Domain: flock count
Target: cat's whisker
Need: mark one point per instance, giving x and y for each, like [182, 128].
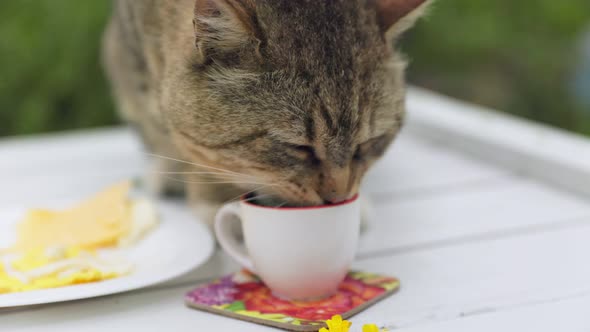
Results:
[281, 205]
[246, 193]
[195, 164]
[209, 177]
[197, 173]
[233, 178]
[205, 174]
[216, 182]
[256, 197]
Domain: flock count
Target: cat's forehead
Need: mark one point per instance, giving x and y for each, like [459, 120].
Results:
[323, 78]
[326, 36]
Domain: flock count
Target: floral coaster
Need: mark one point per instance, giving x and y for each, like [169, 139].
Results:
[243, 296]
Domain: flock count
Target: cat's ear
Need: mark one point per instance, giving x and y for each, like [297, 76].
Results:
[225, 26]
[397, 16]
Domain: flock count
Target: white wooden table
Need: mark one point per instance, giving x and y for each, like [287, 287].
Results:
[484, 218]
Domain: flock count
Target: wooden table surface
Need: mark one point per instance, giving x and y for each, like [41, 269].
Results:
[477, 247]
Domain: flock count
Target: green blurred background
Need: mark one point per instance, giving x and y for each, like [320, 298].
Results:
[521, 57]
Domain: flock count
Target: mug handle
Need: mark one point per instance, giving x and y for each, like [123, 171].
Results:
[227, 240]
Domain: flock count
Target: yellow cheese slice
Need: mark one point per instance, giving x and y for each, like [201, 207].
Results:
[56, 267]
[95, 223]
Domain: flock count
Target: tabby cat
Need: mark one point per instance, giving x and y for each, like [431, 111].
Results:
[288, 99]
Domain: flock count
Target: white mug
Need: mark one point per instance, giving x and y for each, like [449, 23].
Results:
[301, 253]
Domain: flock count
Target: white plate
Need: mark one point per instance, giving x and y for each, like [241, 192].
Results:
[179, 244]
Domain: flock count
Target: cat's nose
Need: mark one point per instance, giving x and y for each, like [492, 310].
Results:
[335, 186]
[335, 199]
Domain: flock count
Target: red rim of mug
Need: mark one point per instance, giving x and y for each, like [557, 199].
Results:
[301, 208]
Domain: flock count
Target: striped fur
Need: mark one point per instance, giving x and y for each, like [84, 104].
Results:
[305, 95]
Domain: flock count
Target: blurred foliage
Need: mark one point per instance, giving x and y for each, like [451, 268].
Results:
[515, 56]
[51, 78]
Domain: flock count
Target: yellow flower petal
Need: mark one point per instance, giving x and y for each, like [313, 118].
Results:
[346, 326]
[337, 324]
[370, 328]
[337, 320]
[323, 329]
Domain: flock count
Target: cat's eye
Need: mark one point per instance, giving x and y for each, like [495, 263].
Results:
[358, 154]
[372, 147]
[304, 148]
[308, 152]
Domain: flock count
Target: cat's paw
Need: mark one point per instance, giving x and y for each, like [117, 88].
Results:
[158, 183]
